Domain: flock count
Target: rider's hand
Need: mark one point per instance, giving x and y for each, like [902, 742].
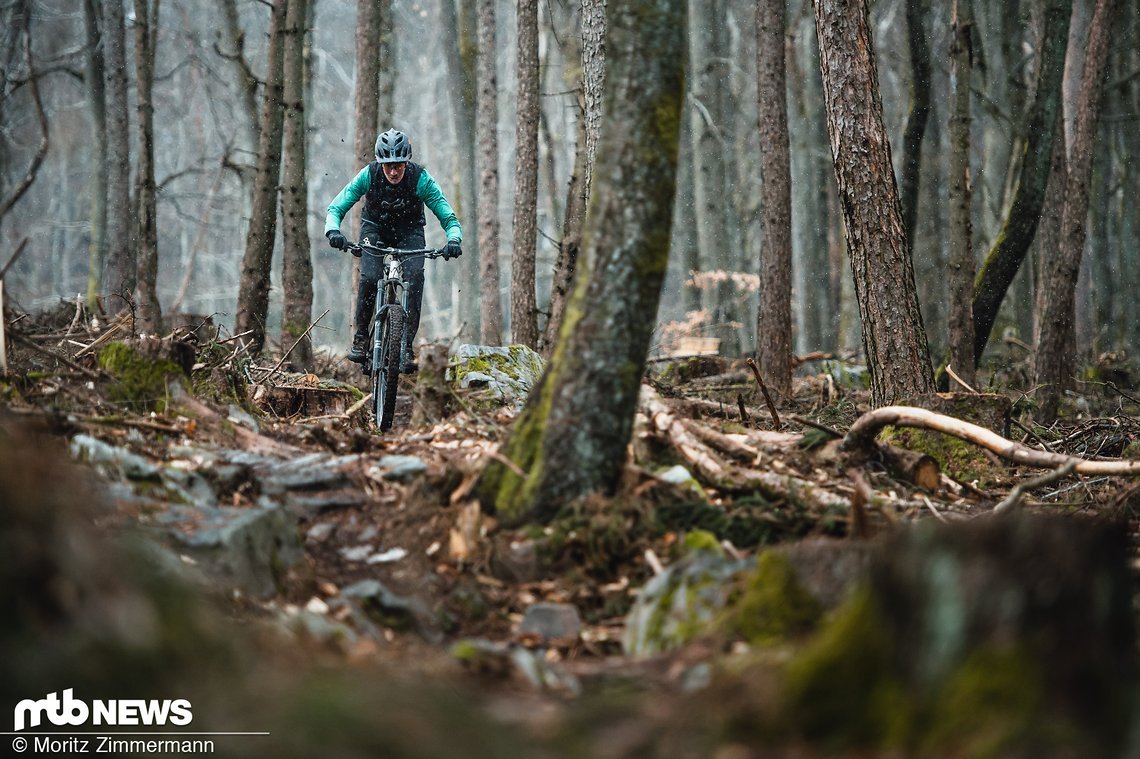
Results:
[452, 250]
[336, 239]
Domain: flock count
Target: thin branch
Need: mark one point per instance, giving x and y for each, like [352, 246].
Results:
[1014, 498]
[62, 359]
[296, 342]
[41, 117]
[12, 260]
[767, 398]
[954, 376]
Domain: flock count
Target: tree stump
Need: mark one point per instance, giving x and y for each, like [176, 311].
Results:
[432, 395]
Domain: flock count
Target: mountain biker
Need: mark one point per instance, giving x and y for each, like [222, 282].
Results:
[395, 191]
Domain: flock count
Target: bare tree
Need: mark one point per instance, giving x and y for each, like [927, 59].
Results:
[1021, 223]
[708, 68]
[524, 316]
[570, 245]
[592, 62]
[148, 308]
[1053, 360]
[593, 80]
[486, 128]
[119, 269]
[246, 81]
[459, 29]
[572, 437]
[961, 269]
[894, 339]
[774, 321]
[253, 288]
[374, 75]
[23, 15]
[297, 265]
[93, 79]
[917, 116]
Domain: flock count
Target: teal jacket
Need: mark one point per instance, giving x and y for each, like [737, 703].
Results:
[427, 190]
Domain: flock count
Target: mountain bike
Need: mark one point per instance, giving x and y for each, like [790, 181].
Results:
[386, 329]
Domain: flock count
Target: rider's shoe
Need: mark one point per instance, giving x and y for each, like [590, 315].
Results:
[359, 352]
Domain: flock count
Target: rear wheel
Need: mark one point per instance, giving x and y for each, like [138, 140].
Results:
[386, 366]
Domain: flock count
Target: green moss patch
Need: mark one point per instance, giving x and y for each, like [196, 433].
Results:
[141, 382]
[773, 605]
[961, 460]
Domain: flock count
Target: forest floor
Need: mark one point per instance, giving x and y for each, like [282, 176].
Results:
[707, 456]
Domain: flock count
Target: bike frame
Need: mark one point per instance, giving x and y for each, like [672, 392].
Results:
[392, 288]
[382, 363]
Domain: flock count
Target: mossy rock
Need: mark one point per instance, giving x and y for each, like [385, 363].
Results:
[843, 689]
[773, 606]
[496, 375]
[144, 372]
[682, 602]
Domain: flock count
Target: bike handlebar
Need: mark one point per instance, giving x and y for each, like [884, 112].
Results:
[402, 255]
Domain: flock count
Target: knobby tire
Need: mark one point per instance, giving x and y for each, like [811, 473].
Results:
[386, 371]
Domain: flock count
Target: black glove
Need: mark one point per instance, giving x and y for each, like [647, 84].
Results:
[452, 250]
[336, 239]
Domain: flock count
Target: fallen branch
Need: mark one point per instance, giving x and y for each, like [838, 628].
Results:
[866, 427]
[103, 338]
[1014, 498]
[61, 359]
[708, 465]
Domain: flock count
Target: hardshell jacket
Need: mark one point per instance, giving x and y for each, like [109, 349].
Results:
[395, 207]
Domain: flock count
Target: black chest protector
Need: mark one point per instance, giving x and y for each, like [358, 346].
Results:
[394, 207]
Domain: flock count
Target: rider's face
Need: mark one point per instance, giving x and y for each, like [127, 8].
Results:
[394, 172]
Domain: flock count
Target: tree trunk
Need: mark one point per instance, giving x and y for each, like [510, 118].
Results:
[592, 63]
[246, 81]
[774, 321]
[709, 72]
[96, 100]
[486, 126]
[459, 58]
[524, 316]
[297, 265]
[593, 81]
[1020, 227]
[253, 288]
[572, 437]
[894, 339]
[119, 271]
[366, 112]
[366, 91]
[1053, 359]
[812, 180]
[149, 310]
[562, 281]
[1048, 237]
[961, 269]
[916, 119]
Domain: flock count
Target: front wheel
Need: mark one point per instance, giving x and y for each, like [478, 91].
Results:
[386, 366]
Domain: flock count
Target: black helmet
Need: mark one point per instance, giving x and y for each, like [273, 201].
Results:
[393, 146]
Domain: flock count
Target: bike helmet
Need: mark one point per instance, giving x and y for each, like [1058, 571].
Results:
[393, 146]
